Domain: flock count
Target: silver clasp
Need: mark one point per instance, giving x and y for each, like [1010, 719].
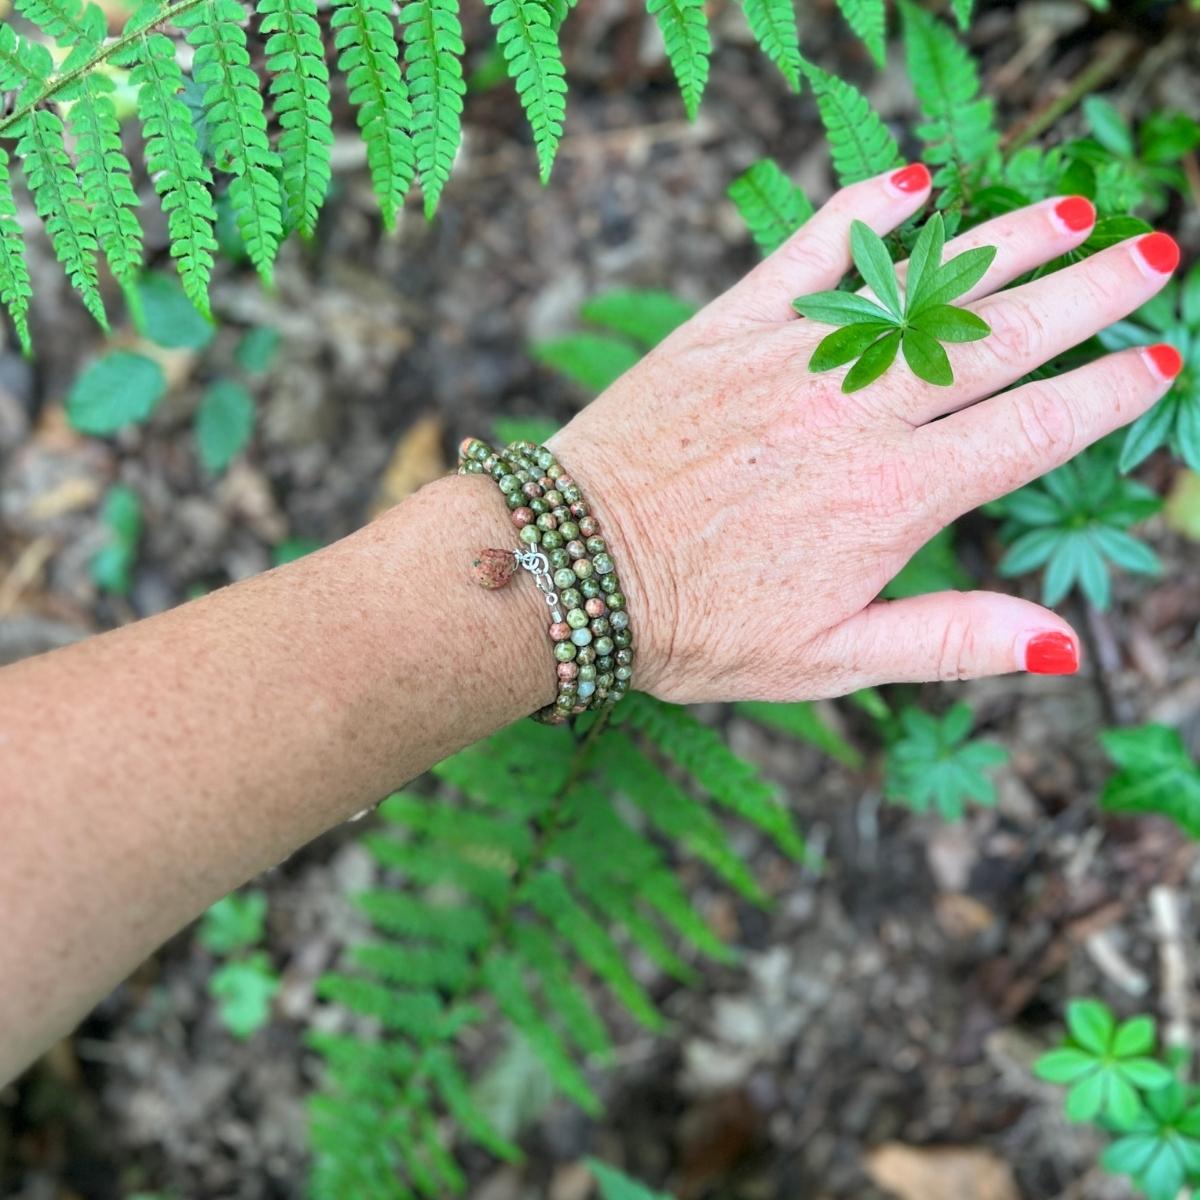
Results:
[538, 565]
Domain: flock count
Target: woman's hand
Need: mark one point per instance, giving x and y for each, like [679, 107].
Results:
[757, 511]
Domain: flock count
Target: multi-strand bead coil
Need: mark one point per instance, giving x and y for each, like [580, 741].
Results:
[561, 545]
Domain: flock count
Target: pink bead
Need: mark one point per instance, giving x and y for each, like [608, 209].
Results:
[589, 527]
[494, 568]
[522, 517]
[579, 510]
[550, 521]
[567, 671]
[546, 483]
[595, 607]
[531, 490]
[560, 631]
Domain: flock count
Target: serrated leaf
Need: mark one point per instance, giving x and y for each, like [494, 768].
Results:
[119, 389]
[224, 423]
[166, 316]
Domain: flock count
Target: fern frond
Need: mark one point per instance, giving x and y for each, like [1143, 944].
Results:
[868, 19]
[528, 37]
[68, 22]
[684, 28]
[174, 162]
[24, 65]
[237, 125]
[959, 133]
[300, 89]
[433, 61]
[773, 23]
[15, 287]
[859, 142]
[59, 201]
[771, 205]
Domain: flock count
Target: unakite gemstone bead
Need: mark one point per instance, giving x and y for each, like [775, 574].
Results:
[522, 516]
[554, 497]
[589, 527]
[581, 637]
[567, 687]
[622, 639]
[587, 671]
[587, 654]
[596, 545]
[546, 521]
[559, 558]
[604, 680]
[583, 568]
[561, 514]
[616, 600]
[605, 663]
[571, 597]
[509, 484]
[595, 607]
[543, 457]
[590, 588]
[514, 500]
[609, 585]
[579, 510]
[565, 651]
[576, 618]
[623, 673]
[551, 540]
[603, 564]
[537, 504]
[569, 529]
[604, 645]
[600, 626]
[620, 620]
[531, 535]
[624, 658]
[564, 577]
[576, 549]
[586, 688]
[570, 492]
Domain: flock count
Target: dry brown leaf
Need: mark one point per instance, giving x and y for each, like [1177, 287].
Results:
[416, 461]
[941, 1173]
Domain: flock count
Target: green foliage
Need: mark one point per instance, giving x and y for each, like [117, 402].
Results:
[868, 19]
[1173, 316]
[872, 331]
[934, 568]
[771, 205]
[119, 389]
[15, 286]
[257, 350]
[1155, 774]
[1075, 523]
[859, 142]
[616, 1185]
[164, 314]
[684, 28]
[1160, 1150]
[932, 766]
[959, 132]
[224, 423]
[633, 322]
[236, 922]
[802, 721]
[543, 859]
[121, 516]
[244, 990]
[773, 23]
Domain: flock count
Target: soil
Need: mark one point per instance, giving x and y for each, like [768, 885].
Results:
[896, 995]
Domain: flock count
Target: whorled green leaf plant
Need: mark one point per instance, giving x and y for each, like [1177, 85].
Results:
[915, 320]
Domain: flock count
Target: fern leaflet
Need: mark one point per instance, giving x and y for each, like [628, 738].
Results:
[868, 19]
[433, 58]
[300, 88]
[237, 125]
[684, 27]
[770, 204]
[59, 201]
[173, 160]
[962, 12]
[366, 39]
[15, 287]
[960, 133]
[859, 142]
[528, 37]
[773, 23]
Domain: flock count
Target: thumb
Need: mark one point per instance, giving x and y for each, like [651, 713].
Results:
[951, 635]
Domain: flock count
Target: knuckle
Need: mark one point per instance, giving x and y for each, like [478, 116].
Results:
[957, 648]
[1018, 332]
[811, 255]
[1047, 422]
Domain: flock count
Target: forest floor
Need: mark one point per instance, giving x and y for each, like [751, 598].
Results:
[877, 1036]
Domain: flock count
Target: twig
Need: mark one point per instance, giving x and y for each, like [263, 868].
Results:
[1166, 910]
[1101, 948]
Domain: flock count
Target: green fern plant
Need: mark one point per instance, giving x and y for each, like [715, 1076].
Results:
[541, 867]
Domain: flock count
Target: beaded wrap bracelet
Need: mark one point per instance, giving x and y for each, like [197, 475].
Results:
[561, 546]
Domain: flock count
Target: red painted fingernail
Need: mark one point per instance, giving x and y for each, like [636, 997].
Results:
[1160, 252]
[1168, 362]
[1076, 213]
[1051, 654]
[911, 179]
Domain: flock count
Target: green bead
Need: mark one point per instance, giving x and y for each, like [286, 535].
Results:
[582, 567]
[571, 494]
[577, 618]
[571, 597]
[530, 535]
[596, 545]
[600, 626]
[538, 505]
[559, 558]
[561, 513]
[543, 457]
[567, 687]
[604, 645]
[616, 600]
[624, 658]
[513, 499]
[590, 589]
[553, 470]
[603, 564]
[582, 637]
[604, 662]
[587, 673]
[622, 639]
[623, 673]
[620, 620]
[604, 681]
[564, 577]
[551, 539]
[509, 484]
[587, 655]
[570, 531]
[565, 651]
[609, 585]
[554, 498]
[546, 520]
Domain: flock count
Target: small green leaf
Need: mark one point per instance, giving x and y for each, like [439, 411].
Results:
[121, 513]
[1091, 1024]
[117, 390]
[924, 260]
[841, 308]
[166, 316]
[1064, 1065]
[614, 1185]
[224, 424]
[257, 349]
[875, 360]
[589, 359]
[1087, 1097]
[645, 317]
[234, 923]
[1110, 129]
[926, 358]
[842, 345]
[950, 324]
[875, 265]
[956, 277]
[244, 990]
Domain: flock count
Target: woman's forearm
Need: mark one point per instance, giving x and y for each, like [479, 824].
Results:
[147, 772]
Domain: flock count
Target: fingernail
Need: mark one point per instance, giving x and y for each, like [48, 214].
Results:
[1051, 654]
[1076, 213]
[911, 179]
[1159, 251]
[1166, 360]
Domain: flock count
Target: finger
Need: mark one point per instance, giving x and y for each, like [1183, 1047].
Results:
[949, 635]
[1037, 321]
[1024, 240]
[990, 449]
[815, 258]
